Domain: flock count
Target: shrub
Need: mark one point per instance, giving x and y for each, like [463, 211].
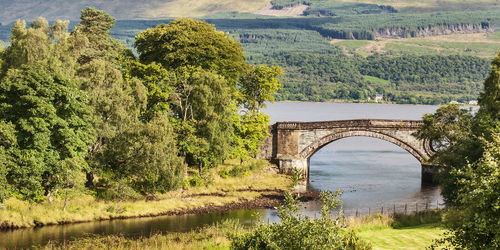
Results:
[296, 231]
[194, 180]
[236, 171]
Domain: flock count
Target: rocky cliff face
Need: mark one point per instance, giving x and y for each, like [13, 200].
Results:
[433, 31]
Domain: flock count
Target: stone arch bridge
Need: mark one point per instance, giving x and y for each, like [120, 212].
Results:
[291, 144]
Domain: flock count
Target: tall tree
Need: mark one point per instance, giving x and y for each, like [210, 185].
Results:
[206, 106]
[256, 87]
[53, 124]
[117, 101]
[191, 43]
[159, 84]
[469, 163]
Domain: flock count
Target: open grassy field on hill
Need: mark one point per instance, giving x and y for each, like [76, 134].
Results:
[477, 44]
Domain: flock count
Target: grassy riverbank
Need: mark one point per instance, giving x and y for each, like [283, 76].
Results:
[400, 232]
[382, 232]
[255, 186]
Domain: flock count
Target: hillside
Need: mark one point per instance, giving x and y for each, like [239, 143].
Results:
[428, 51]
[122, 9]
[161, 9]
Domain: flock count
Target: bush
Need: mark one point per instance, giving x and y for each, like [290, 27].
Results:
[194, 180]
[118, 190]
[236, 171]
[296, 231]
[424, 217]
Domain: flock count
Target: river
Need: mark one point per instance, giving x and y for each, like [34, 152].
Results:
[373, 175]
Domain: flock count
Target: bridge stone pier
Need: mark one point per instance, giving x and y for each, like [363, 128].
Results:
[291, 144]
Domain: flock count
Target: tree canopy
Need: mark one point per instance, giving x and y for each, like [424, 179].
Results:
[191, 43]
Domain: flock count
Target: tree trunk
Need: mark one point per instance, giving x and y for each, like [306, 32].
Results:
[200, 167]
[65, 200]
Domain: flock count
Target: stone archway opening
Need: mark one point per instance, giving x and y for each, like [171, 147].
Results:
[310, 150]
[366, 169]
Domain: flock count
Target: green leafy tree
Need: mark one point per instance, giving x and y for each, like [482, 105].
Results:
[92, 40]
[250, 130]
[258, 86]
[159, 84]
[469, 164]
[191, 43]
[53, 124]
[145, 155]
[475, 224]
[453, 135]
[204, 102]
[117, 100]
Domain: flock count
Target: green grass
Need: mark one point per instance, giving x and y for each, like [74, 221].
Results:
[417, 237]
[494, 36]
[376, 80]
[352, 45]
[476, 44]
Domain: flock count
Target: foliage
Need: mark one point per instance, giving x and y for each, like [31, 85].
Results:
[250, 130]
[145, 156]
[450, 130]
[191, 43]
[490, 98]
[259, 85]
[256, 87]
[296, 231]
[8, 143]
[206, 101]
[54, 128]
[158, 82]
[474, 225]
[117, 101]
[208, 65]
[91, 111]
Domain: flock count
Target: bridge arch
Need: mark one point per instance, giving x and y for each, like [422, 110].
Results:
[291, 144]
[315, 146]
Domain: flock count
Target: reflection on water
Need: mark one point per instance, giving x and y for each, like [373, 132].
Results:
[138, 227]
[371, 173]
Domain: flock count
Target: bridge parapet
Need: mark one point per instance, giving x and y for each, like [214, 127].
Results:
[366, 123]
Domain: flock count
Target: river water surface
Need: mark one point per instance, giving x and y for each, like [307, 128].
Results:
[373, 175]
